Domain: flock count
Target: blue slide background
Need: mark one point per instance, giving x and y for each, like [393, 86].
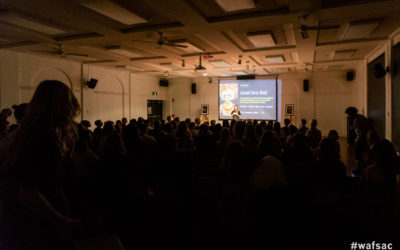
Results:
[256, 98]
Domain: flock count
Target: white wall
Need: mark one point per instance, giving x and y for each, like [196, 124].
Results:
[117, 94]
[328, 96]
[122, 94]
[185, 104]
[20, 74]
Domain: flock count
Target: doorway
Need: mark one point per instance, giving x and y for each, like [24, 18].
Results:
[395, 96]
[376, 98]
[154, 110]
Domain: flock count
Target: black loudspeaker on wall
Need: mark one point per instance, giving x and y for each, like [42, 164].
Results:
[163, 82]
[193, 88]
[306, 85]
[379, 70]
[350, 76]
[92, 83]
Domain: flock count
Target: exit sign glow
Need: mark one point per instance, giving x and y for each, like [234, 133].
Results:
[155, 93]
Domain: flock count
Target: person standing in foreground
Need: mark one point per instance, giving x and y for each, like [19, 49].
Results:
[359, 127]
[235, 114]
[34, 210]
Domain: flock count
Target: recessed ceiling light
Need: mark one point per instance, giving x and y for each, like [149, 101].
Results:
[361, 29]
[123, 52]
[113, 11]
[280, 71]
[219, 63]
[239, 73]
[29, 23]
[223, 74]
[344, 54]
[128, 67]
[261, 39]
[234, 5]
[275, 59]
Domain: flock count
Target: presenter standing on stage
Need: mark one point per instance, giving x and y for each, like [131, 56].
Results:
[235, 114]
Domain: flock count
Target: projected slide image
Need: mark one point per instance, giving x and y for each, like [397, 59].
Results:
[256, 99]
[228, 93]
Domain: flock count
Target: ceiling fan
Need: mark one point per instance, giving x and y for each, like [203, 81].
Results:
[60, 50]
[304, 28]
[162, 40]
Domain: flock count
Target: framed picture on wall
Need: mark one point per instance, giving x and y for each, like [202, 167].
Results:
[289, 109]
[204, 109]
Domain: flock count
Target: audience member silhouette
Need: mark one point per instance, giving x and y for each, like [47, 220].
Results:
[37, 214]
[314, 135]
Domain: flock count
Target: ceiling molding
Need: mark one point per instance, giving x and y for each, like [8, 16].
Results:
[339, 61]
[241, 16]
[78, 36]
[354, 41]
[17, 44]
[148, 58]
[98, 62]
[205, 53]
[289, 49]
[152, 27]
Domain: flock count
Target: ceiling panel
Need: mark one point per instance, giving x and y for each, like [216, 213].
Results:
[220, 36]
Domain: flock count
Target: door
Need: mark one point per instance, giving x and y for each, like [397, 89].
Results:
[154, 110]
[376, 98]
[395, 96]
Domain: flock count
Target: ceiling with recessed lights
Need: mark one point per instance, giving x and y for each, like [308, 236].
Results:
[189, 38]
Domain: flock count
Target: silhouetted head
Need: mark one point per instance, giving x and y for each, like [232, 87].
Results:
[124, 120]
[303, 122]
[250, 132]
[277, 126]
[334, 135]
[86, 124]
[53, 104]
[299, 140]
[19, 111]
[385, 157]
[98, 123]
[292, 129]
[270, 145]
[351, 111]
[109, 127]
[238, 130]
[187, 121]
[314, 123]
[372, 137]
[181, 130]
[53, 107]
[224, 134]
[225, 123]
[329, 149]
[287, 122]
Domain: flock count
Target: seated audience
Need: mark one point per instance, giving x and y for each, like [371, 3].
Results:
[314, 135]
